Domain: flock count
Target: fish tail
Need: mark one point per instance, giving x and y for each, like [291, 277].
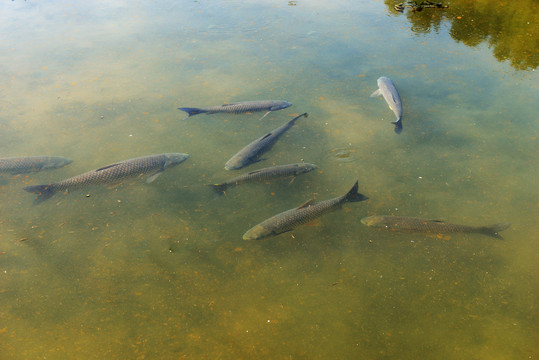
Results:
[297, 117]
[43, 192]
[192, 111]
[398, 125]
[493, 230]
[353, 195]
[219, 188]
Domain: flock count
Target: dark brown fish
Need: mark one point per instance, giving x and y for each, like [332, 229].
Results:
[418, 225]
[152, 165]
[290, 219]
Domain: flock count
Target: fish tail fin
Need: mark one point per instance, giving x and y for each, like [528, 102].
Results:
[43, 192]
[219, 188]
[297, 117]
[493, 230]
[353, 195]
[192, 111]
[398, 125]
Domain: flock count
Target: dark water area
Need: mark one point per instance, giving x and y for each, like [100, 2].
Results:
[136, 270]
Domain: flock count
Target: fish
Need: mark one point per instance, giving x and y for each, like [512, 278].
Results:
[418, 225]
[290, 219]
[152, 165]
[239, 107]
[251, 153]
[387, 89]
[26, 164]
[269, 173]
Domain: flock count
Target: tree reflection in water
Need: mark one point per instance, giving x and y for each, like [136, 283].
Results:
[508, 27]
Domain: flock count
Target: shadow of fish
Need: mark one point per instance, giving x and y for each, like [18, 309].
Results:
[26, 164]
[387, 89]
[239, 107]
[418, 225]
[265, 174]
[252, 152]
[152, 165]
[290, 219]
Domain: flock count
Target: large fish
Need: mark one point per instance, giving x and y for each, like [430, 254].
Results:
[290, 219]
[387, 89]
[26, 164]
[418, 225]
[152, 165]
[265, 174]
[252, 152]
[239, 107]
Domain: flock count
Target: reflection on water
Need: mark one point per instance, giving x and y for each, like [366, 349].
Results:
[507, 27]
[160, 270]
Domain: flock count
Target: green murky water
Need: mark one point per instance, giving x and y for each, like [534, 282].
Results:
[159, 271]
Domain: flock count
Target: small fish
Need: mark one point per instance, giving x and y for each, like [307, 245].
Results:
[387, 89]
[26, 164]
[418, 225]
[239, 107]
[252, 152]
[290, 219]
[269, 173]
[152, 165]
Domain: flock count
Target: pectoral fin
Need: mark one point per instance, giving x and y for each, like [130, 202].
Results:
[151, 178]
[378, 92]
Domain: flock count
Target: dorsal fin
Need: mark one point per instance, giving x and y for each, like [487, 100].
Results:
[307, 203]
[254, 172]
[265, 136]
[107, 167]
[438, 221]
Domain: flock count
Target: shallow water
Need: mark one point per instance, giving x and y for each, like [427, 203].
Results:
[160, 270]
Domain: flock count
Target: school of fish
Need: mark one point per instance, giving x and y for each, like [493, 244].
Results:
[154, 165]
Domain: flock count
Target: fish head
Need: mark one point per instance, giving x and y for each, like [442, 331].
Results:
[375, 221]
[257, 232]
[280, 106]
[174, 159]
[305, 168]
[56, 162]
[234, 164]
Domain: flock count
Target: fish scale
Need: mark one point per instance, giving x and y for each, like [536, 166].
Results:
[290, 219]
[21, 165]
[412, 224]
[269, 173]
[111, 174]
[239, 107]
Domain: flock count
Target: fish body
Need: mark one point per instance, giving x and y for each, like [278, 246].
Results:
[252, 152]
[290, 219]
[387, 89]
[265, 174]
[26, 164]
[239, 107]
[418, 225]
[152, 165]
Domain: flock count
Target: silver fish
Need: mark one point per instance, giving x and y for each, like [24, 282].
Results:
[239, 107]
[252, 152]
[26, 164]
[387, 89]
[152, 165]
[265, 174]
[418, 225]
[290, 219]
